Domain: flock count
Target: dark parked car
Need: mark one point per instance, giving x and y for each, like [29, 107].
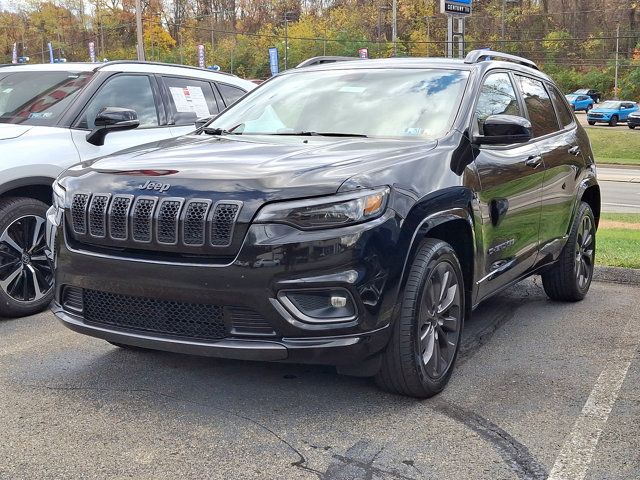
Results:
[594, 94]
[633, 120]
[351, 214]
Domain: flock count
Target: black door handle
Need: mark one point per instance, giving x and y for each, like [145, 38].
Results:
[575, 150]
[533, 161]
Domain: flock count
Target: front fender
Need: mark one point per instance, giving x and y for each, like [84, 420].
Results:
[436, 209]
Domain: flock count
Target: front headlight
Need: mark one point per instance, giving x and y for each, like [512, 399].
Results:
[59, 194]
[327, 212]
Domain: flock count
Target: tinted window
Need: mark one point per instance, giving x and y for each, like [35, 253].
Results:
[125, 91]
[38, 98]
[566, 117]
[190, 99]
[541, 114]
[497, 96]
[230, 94]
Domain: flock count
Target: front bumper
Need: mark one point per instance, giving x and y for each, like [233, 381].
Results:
[336, 350]
[633, 121]
[272, 259]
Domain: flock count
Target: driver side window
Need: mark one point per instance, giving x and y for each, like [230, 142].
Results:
[497, 97]
[126, 91]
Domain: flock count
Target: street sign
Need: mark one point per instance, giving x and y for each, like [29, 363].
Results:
[201, 56]
[92, 52]
[455, 7]
[14, 56]
[273, 60]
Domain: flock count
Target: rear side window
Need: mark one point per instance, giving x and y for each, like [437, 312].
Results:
[565, 116]
[497, 97]
[190, 99]
[230, 94]
[541, 113]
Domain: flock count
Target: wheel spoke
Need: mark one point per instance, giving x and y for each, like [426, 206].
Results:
[38, 233]
[4, 284]
[435, 358]
[6, 238]
[449, 323]
[36, 285]
[427, 352]
[450, 296]
[443, 287]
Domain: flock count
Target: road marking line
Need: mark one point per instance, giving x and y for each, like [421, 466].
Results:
[621, 205]
[577, 452]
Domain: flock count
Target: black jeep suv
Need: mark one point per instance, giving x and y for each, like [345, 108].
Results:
[350, 214]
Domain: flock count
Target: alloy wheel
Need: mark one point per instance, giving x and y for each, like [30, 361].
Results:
[440, 318]
[26, 273]
[585, 243]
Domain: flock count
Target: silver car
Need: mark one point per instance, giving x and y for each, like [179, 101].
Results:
[55, 115]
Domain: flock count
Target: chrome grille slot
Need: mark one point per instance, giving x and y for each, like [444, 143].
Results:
[222, 222]
[98, 215]
[119, 216]
[142, 218]
[79, 213]
[195, 218]
[167, 220]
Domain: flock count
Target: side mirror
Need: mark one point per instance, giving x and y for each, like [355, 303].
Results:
[111, 119]
[504, 130]
[201, 122]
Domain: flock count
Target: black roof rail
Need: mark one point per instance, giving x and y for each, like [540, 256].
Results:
[324, 59]
[475, 56]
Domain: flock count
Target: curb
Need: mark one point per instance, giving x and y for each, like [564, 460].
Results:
[616, 178]
[625, 276]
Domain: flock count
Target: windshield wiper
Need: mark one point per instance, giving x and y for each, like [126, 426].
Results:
[219, 131]
[321, 134]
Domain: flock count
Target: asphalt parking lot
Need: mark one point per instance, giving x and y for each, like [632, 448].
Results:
[542, 390]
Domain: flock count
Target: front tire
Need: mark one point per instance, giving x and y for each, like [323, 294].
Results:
[570, 278]
[591, 122]
[421, 354]
[631, 126]
[26, 273]
[614, 121]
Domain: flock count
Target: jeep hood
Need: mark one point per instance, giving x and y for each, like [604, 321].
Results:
[252, 167]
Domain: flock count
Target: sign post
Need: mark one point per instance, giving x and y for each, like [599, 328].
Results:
[456, 11]
[273, 60]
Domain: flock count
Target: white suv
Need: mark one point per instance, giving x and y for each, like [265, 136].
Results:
[55, 115]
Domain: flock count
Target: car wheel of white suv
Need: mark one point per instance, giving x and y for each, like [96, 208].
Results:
[26, 273]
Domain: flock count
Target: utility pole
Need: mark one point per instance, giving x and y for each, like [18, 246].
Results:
[139, 37]
[615, 84]
[286, 39]
[394, 27]
[504, 6]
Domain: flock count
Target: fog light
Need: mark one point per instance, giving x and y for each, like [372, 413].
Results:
[338, 302]
[319, 306]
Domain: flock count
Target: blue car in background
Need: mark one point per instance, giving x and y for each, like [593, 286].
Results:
[580, 102]
[611, 112]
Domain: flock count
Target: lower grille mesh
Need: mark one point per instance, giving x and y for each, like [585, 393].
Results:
[191, 320]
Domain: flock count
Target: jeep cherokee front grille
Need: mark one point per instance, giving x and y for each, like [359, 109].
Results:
[129, 221]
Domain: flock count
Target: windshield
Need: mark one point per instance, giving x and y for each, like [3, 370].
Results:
[610, 104]
[371, 102]
[571, 97]
[582, 91]
[38, 98]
